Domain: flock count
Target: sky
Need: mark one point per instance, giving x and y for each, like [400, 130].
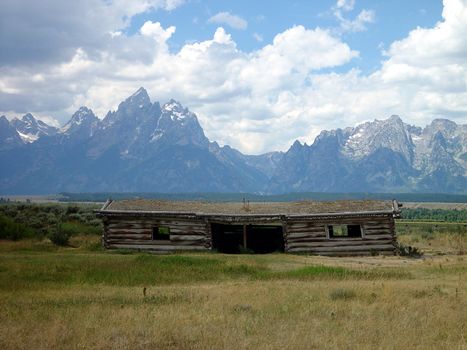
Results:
[258, 74]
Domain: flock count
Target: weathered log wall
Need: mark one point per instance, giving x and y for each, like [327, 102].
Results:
[378, 236]
[136, 233]
[300, 235]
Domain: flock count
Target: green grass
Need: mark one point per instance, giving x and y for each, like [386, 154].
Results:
[34, 271]
[125, 299]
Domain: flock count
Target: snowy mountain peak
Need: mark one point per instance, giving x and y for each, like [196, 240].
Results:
[82, 115]
[29, 118]
[172, 105]
[176, 111]
[366, 138]
[30, 129]
[82, 118]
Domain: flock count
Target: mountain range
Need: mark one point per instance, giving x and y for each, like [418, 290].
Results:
[149, 147]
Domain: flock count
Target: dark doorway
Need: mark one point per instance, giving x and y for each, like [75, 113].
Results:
[260, 239]
[227, 238]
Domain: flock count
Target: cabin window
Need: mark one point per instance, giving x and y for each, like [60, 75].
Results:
[344, 231]
[160, 233]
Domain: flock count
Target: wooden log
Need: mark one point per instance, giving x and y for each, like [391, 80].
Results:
[138, 242]
[340, 244]
[293, 235]
[136, 224]
[315, 229]
[376, 229]
[377, 233]
[149, 231]
[304, 225]
[199, 223]
[380, 227]
[187, 238]
[155, 243]
[129, 236]
[370, 248]
[129, 232]
[363, 253]
[191, 232]
[336, 240]
[150, 226]
[168, 248]
[308, 238]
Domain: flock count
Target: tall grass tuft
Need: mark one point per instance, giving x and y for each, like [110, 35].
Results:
[342, 294]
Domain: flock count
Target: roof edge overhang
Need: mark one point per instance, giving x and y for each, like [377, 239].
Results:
[395, 212]
[279, 216]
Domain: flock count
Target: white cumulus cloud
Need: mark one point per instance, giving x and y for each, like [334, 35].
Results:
[261, 100]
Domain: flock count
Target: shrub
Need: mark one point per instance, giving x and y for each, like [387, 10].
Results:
[406, 250]
[72, 209]
[12, 230]
[59, 236]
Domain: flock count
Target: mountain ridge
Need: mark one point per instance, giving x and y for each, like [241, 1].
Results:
[145, 146]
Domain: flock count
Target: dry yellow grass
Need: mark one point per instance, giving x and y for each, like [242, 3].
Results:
[240, 315]
[424, 308]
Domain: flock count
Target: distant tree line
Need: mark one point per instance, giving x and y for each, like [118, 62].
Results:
[445, 215]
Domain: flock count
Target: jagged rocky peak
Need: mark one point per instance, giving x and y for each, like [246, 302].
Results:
[30, 129]
[82, 115]
[4, 121]
[395, 119]
[135, 110]
[178, 125]
[9, 137]
[297, 145]
[139, 99]
[446, 127]
[29, 118]
[176, 111]
[82, 119]
[325, 134]
[330, 140]
[366, 138]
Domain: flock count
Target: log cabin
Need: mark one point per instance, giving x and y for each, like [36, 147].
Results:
[358, 227]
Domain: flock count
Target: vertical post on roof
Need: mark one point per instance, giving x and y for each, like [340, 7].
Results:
[244, 236]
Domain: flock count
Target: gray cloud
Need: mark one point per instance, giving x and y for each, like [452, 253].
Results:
[49, 31]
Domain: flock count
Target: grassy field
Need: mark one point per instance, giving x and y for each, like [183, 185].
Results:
[79, 296]
[83, 297]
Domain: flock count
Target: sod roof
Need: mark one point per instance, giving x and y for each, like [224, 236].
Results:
[239, 208]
